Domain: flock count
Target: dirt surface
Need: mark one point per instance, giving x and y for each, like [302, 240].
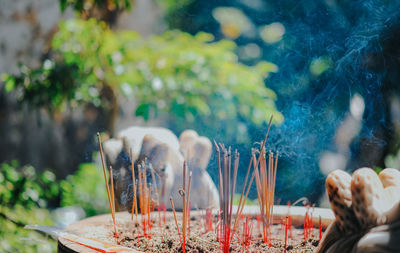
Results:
[165, 238]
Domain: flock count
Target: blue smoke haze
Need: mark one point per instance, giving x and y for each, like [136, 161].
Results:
[352, 35]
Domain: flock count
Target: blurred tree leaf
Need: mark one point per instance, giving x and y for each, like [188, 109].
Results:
[24, 197]
[9, 82]
[23, 186]
[85, 5]
[85, 188]
[143, 110]
[63, 5]
[15, 238]
[173, 5]
[189, 80]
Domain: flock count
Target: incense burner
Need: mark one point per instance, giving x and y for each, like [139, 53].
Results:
[364, 208]
[100, 227]
[233, 227]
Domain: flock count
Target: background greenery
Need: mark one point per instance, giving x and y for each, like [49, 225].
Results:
[27, 198]
[86, 189]
[221, 68]
[188, 81]
[24, 197]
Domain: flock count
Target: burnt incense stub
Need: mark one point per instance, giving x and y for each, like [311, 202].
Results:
[367, 211]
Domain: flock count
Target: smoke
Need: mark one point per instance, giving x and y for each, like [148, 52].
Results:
[331, 53]
[351, 37]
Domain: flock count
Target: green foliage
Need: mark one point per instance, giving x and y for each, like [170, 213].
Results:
[320, 65]
[14, 238]
[249, 202]
[23, 186]
[189, 80]
[171, 6]
[377, 169]
[24, 195]
[85, 5]
[85, 188]
[49, 86]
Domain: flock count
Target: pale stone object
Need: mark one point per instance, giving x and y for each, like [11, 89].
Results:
[161, 150]
[367, 212]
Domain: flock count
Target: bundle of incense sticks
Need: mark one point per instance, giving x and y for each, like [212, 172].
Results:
[227, 189]
[144, 200]
[110, 194]
[308, 225]
[265, 182]
[185, 194]
[247, 232]
[157, 193]
[246, 186]
[286, 229]
[134, 202]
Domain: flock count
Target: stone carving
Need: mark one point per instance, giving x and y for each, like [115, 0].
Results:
[367, 211]
[161, 151]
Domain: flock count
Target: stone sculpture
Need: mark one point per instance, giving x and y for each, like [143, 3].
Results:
[367, 212]
[163, 153]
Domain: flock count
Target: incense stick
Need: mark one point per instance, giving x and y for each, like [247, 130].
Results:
[113, 201]
[144, 199]
[235, 170]
[134, 202]
[226, 192]
[112, 191]
[185, 194]
[237, 218]
[286, 228]
[148, 207]
[265, 182]
[188, 201]
[106, 181]
[176, 221]
[241, 206]
[219, 173]
[184, 209]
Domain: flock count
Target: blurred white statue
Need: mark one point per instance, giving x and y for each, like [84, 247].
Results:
[158, 149]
